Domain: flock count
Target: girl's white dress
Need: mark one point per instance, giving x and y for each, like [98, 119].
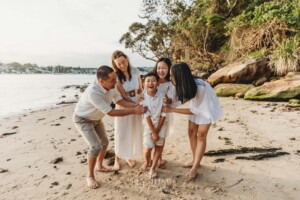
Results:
[205, 104]
[129, 129]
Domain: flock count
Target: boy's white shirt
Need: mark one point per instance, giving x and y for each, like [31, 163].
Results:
[154, 105]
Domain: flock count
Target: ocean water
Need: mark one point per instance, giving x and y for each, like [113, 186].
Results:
[22, 92]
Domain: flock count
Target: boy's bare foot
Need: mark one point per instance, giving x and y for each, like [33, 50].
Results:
[131, 163]
[143, 168]
[91, 182]
[188, 164]
[161, 163]
[104, 169]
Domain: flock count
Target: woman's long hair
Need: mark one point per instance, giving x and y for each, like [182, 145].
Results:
[168, 62]
[121, 76]
[186, 87]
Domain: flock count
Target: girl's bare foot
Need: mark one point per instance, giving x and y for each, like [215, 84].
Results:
[192, 175]
[152, 174]
[131, 163]
[117, 165]
[91, 182]
[188, 164]
[105, 169]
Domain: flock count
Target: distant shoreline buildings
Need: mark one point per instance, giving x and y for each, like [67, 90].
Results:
[17, 68]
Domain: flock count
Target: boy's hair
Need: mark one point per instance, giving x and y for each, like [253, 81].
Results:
[103, 72]
[151, 74]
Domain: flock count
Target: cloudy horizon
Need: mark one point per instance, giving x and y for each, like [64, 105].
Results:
[66, 32]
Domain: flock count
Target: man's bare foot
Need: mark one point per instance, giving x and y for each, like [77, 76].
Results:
[91, 182]
[188, 164]
[104, 169]
[131, 163]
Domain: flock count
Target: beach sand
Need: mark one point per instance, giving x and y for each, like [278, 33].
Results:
[30, 141]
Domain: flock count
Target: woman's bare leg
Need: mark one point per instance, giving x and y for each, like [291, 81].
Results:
[200, 148]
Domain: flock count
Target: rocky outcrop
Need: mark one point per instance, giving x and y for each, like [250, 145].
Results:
[285, 88]
[254, 71]
[230, 89]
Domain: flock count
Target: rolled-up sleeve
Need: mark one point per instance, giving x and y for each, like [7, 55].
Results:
[117, 96]
[100, 103]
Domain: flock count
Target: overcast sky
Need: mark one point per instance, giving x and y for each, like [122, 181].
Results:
[66, 32]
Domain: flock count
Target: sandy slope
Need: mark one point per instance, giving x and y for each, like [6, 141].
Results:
[44, 135]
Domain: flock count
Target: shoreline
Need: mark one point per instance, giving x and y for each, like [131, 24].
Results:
[45, 134]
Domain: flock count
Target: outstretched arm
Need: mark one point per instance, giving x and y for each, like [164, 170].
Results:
[184, 111]
[138, 110]
[127, 104]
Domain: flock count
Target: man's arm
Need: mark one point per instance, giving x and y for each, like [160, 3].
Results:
[138, 110]
[127, 104]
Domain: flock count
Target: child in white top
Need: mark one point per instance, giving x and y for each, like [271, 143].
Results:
[155, 130]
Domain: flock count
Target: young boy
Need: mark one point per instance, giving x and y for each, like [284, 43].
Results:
[155, 130]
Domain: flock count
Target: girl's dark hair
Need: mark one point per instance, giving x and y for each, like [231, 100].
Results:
[186, 87]
[121, 76]
[168, 62]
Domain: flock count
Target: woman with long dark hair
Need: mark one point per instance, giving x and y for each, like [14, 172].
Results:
[204, 110]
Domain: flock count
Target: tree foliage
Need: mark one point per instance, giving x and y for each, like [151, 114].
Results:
[208, 33]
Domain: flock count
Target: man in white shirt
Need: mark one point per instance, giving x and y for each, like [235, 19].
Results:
[93, 105]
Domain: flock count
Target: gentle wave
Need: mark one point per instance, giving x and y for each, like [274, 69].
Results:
[22, 92]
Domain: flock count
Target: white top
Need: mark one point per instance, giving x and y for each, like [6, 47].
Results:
[205, 104]
[169, 89]
[154, 105]
[133, 84]
[95, 101]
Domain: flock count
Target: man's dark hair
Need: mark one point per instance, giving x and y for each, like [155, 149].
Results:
[103, 72]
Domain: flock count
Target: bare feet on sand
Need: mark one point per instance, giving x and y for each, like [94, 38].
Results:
[117, 165]
[152, 174]
[192, 175]
[104, 169]
[131, 163]
[187, 164]
[161, 164]
[91, 182]
[143, 168]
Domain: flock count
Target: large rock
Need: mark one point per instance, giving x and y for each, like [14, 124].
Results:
[230, 89]
[249, 72]
[285, 88]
